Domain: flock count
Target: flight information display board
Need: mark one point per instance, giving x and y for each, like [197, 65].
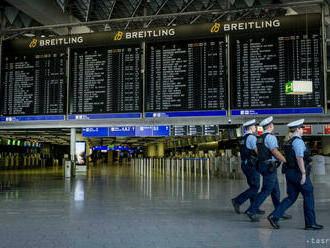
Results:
[261, 64]
[186, 75]
[33, 84]
[106, 80]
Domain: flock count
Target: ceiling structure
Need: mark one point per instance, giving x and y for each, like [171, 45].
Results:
[103, 15]
[47, 12]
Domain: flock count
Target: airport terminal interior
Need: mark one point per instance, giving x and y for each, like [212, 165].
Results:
[122, 121]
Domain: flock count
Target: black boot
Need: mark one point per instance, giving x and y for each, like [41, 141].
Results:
[273, 221]
[314, 227]
[253, 217]
[236, 206]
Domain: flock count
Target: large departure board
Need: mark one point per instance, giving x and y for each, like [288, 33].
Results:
[106, 80]
[263, 63]
[33, 84]
[186, 75]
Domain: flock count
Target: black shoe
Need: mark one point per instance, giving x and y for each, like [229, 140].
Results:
[286, 217]
[236, 206]
[260, 212]
[273, 221]
[314, 227]
[253, 217]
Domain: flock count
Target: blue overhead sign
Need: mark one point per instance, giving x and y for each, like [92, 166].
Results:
[111, 148]
[277, 111]
[33, 118]
[128, 131]
[149, 131]
[186, 114]
[100, 148]
[161, 131]
[95, 132]
[105, 116]
[144, 131]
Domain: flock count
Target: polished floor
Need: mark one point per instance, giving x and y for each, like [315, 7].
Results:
[119, 207]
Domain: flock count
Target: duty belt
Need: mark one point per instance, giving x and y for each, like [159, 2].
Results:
[273, 163]
[308, 167]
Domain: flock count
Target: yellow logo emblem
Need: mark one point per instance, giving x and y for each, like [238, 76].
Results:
[119, 36]
[215, 28]
[33, 43]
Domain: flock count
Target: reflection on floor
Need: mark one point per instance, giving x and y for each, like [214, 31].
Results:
[119, 207]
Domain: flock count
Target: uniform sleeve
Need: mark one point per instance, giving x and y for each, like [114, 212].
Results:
[251, 142]
[271, 142]
[299, 148]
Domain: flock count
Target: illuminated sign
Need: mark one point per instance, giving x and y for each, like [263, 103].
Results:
[142, 34]
[56, 41]
[307, 129]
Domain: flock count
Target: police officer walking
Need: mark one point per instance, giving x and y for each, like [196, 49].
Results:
[268, 154]
[297, 171]
[248, 151]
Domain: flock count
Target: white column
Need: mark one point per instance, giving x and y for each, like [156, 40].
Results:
[326, 145]
[73, 144]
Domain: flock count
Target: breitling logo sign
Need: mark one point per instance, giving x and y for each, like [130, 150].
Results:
[119, 36]
[33, 43]
[242, 26]
[165, 32]
[215, 28]
[56, 41]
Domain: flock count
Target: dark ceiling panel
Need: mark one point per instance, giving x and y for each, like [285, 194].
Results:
[92, 10]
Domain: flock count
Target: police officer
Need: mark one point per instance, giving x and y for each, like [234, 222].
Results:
[297, 178]
[248, 151]
[267, 154]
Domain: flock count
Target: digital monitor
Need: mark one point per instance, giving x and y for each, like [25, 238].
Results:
[80, 153]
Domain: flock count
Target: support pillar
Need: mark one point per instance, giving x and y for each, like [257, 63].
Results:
[152, 150]
[110, 158]
[160, 150]
[73, 144]
[326, 145]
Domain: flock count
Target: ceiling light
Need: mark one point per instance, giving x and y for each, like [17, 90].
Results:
[29, 35]
[290, 11]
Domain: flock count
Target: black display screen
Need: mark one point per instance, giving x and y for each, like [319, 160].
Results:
[186, 75]
[210, 130]
[261, 64]
[106, 80]
[179, 130]
[195, 130]
[33, 84]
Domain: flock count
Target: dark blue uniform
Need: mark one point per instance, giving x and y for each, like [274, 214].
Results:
[248, 165]
[266, 142]
[296, 148]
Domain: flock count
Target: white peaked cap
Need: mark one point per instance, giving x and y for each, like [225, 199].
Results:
[266, 121]
[297, 123]
[249, 123]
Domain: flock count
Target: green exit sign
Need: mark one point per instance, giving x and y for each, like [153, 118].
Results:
[289, 87]
[298, 87]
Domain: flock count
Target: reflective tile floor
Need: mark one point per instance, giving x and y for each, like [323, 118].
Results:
[118, 207]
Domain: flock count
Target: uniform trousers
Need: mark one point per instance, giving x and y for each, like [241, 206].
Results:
[293, 178]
